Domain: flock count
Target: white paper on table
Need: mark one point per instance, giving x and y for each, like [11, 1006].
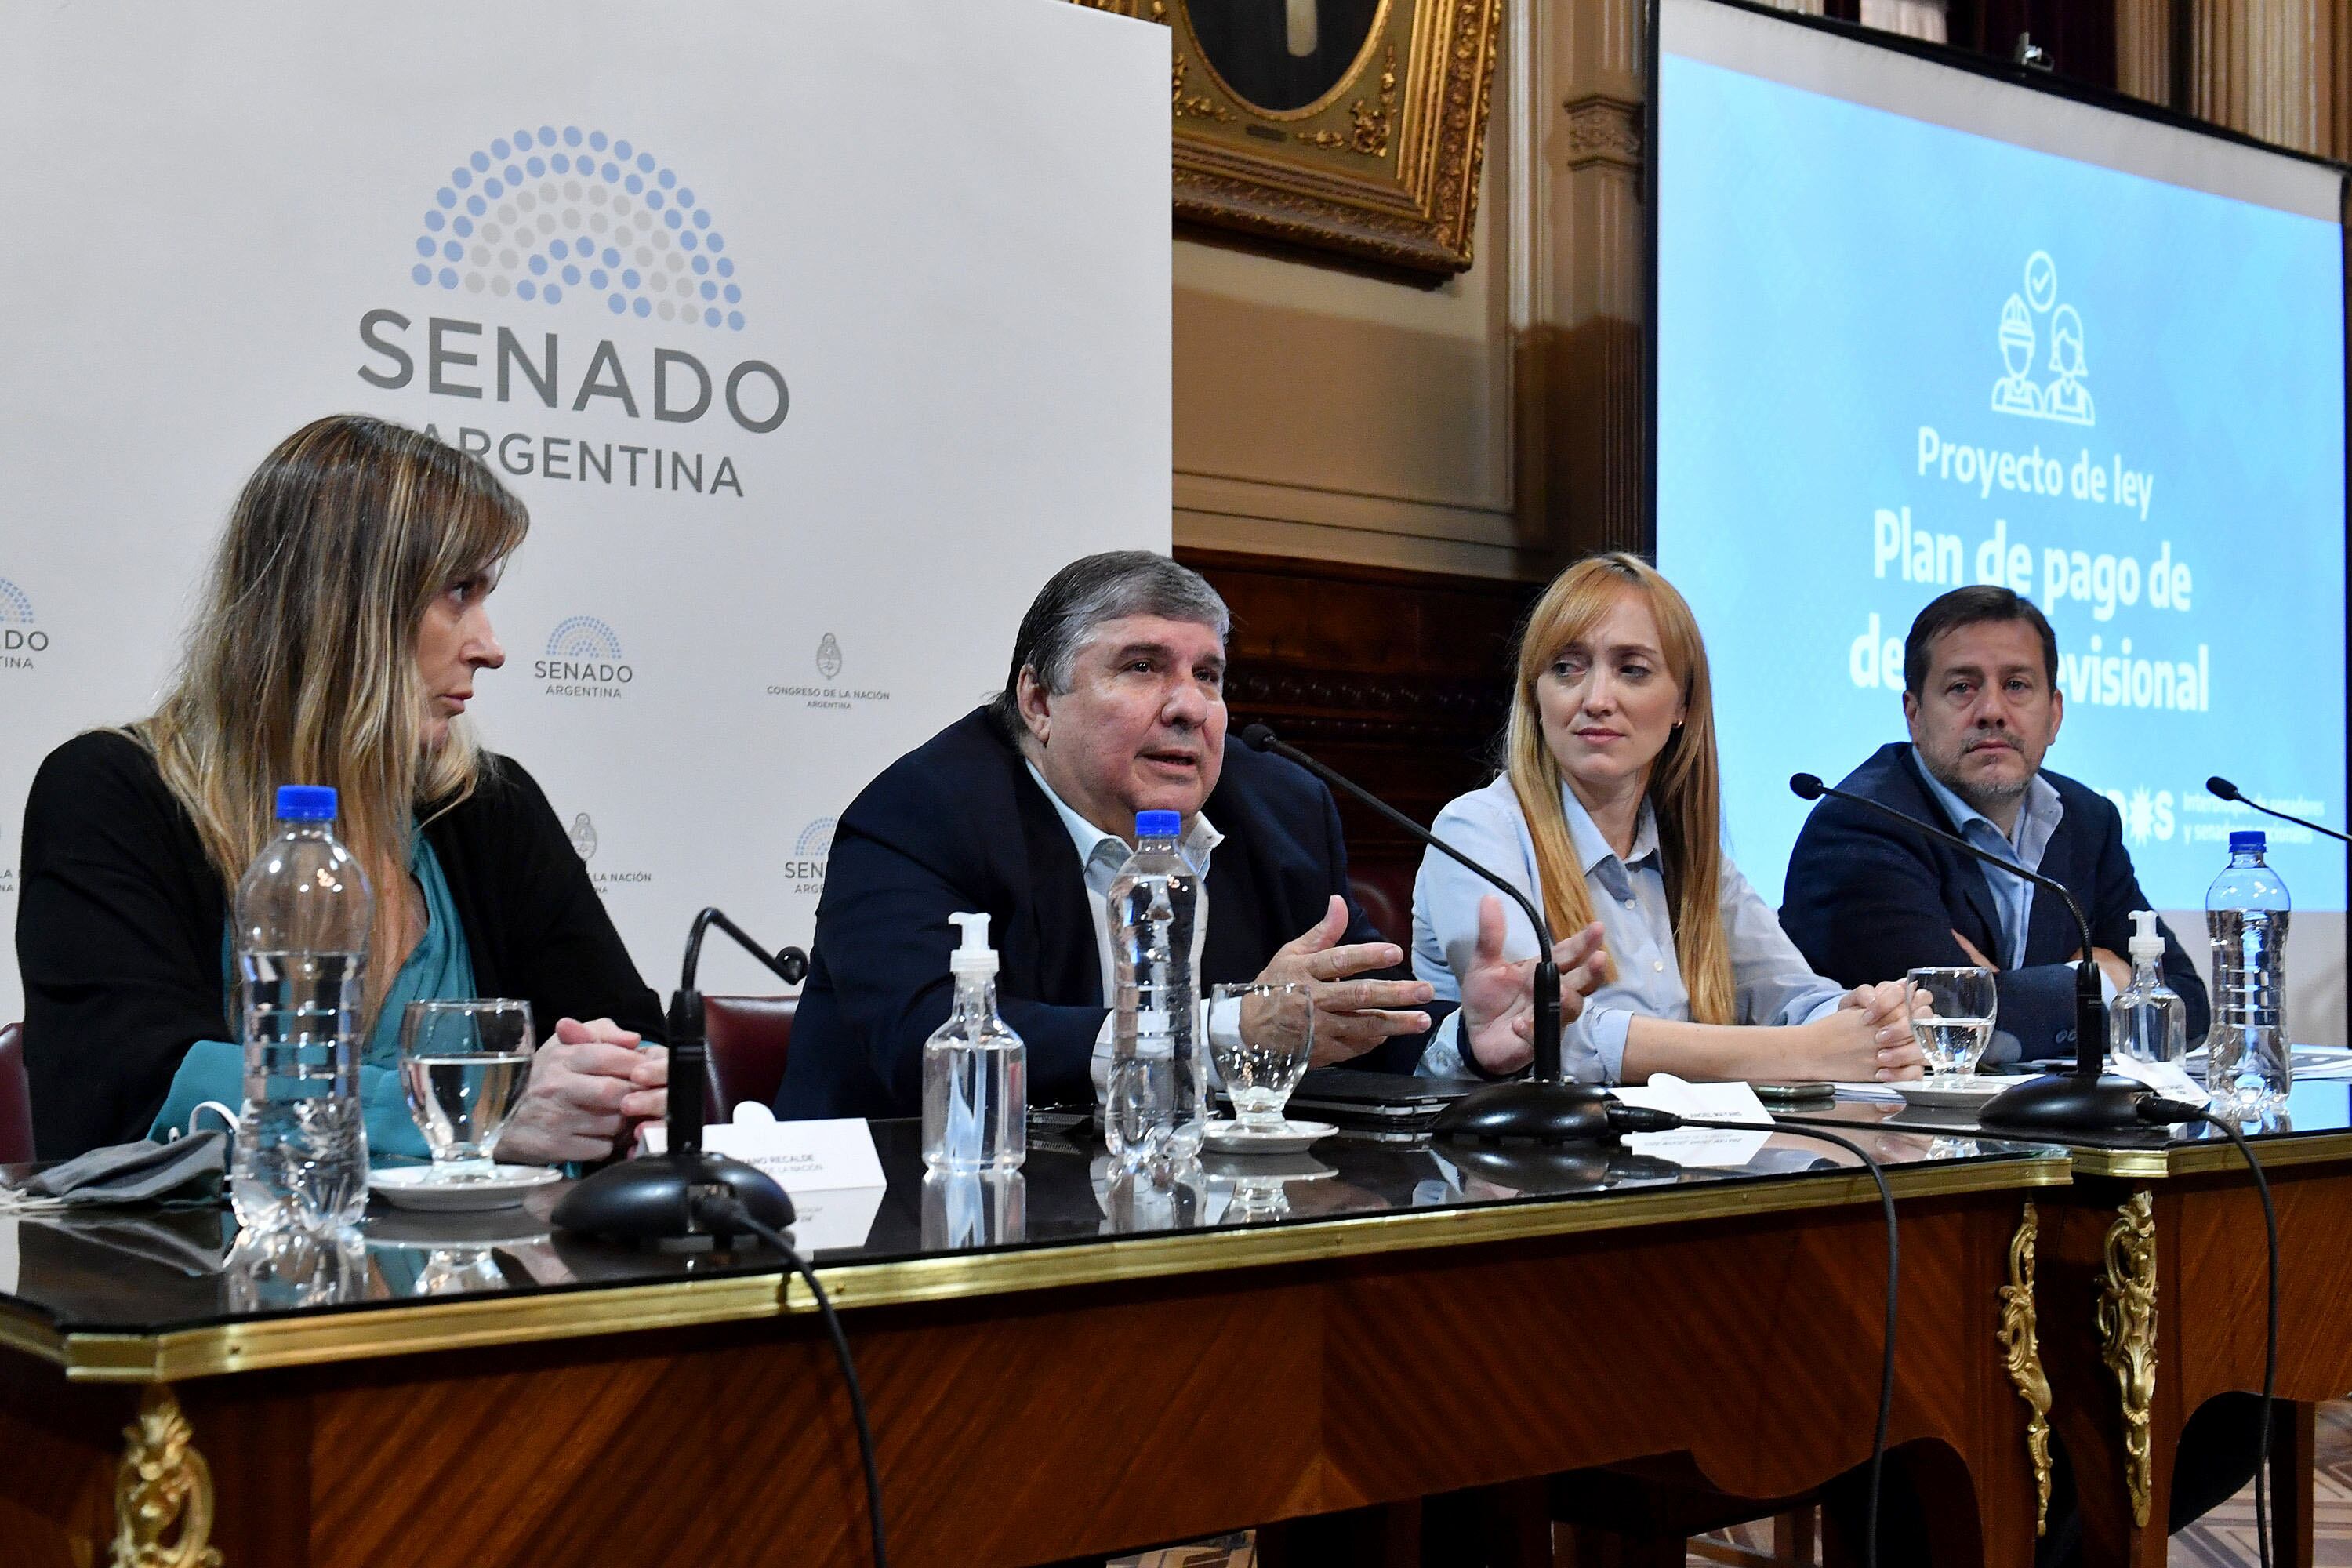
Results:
[2169, 1079]
[2316, 1063]
[10, 1256]
[818, 1156]
[829, 1169]
[1714, 1101]
[827, 1219]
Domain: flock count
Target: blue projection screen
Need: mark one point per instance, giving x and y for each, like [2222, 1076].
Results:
[1917, 328]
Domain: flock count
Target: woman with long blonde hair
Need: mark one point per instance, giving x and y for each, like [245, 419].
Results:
[337, 643]
[1608, 810]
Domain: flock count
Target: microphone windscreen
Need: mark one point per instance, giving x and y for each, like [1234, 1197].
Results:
[1808, 786]
[1258, 737]
[2221, 787]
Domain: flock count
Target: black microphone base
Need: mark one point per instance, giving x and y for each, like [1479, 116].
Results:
[648, 1200]
[2068, 1102]
[1530, 1110]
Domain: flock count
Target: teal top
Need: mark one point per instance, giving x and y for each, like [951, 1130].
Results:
[441, 969]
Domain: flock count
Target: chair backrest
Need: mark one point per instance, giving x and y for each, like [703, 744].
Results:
[751, 1039]
[16, 1099]
[1384, 890]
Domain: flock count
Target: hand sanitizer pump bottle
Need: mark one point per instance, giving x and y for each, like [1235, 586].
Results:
[2149, 1022]
[975, 1070]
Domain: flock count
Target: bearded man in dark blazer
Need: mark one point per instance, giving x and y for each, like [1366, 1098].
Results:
[1869, 897]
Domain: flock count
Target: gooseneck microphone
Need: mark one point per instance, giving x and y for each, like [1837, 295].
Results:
[1543, 1108]
[2087, 1099]
[659, 1198]
[2223, 787]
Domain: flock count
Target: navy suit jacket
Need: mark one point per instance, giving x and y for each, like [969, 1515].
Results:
[1868, 899]
[959, 825]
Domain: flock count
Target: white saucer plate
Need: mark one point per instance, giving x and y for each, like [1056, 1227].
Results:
[417, 1187]
[1290, 1138]
[1957, 1093]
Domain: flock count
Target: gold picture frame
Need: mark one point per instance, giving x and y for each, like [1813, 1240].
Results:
[1367, 141]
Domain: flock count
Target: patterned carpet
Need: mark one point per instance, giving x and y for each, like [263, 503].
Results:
[2225, 1538]
[2222, 1539]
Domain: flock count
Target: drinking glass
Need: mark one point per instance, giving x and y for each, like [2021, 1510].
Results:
[1961, 1006]
[1262, 1059]
[464, 1065]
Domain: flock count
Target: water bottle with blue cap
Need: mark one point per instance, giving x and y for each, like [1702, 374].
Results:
[975, 1069]
[303, 909]
[1153, 1105]
[2248, 1064]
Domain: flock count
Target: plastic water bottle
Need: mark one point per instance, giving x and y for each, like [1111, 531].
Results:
[975, 1070]
[2248, 1066]
[1153, 1106]
[303, 916]
[2149, 1022]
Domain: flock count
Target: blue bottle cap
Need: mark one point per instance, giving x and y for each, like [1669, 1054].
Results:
[2242, 841]
[306, 803]
[1159, 823]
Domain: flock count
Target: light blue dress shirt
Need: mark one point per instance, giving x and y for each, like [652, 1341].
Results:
[1771, 982]
[2036, 821]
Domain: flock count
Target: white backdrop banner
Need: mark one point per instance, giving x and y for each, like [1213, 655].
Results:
[815, 336]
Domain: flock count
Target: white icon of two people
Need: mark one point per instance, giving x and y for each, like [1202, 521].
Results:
[2064, 397]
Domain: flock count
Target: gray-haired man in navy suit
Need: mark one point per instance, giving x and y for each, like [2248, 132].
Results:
[1025, 809]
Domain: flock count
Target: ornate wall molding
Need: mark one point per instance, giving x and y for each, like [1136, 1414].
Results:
[1603, 129]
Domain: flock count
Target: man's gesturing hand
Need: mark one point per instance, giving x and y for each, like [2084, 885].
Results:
[1498, 996]
[1351, 1015]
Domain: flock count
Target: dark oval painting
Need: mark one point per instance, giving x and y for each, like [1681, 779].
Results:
[1282, 54]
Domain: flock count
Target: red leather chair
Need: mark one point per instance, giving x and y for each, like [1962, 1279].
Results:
[16, 1099]
[751, 1039]
[1384, 892]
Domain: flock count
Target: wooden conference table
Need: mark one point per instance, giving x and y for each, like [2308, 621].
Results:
[2152, 1302]
[1054, 1370]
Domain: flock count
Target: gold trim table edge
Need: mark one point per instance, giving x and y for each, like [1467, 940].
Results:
[462, 1324]
[2201, 1158]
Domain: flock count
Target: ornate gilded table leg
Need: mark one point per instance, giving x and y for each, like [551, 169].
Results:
[2018, 1338]
[162, 1492]
[2128, 1329]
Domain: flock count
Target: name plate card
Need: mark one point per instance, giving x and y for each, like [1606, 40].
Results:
[829, 1169]
[802, 1156]
[1699, 1145]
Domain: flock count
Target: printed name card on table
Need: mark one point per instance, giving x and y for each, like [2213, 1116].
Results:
[1699, 1145]
[829, 1169]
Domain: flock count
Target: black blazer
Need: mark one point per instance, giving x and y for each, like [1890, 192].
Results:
[120, 926]
[1867, 898]
[959, 825]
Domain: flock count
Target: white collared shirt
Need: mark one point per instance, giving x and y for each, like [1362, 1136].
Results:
[1100, 856]
[2038, 817]
[1770, 981]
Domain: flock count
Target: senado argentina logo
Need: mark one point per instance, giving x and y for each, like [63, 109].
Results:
[542, 264]
[805, 870]
[583, 659]
[20, 639]
[546, 212]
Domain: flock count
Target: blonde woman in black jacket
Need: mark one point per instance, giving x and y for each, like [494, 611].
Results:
[343, 628]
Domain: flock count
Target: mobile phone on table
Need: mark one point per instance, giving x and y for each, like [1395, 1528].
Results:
[1795, 1094]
